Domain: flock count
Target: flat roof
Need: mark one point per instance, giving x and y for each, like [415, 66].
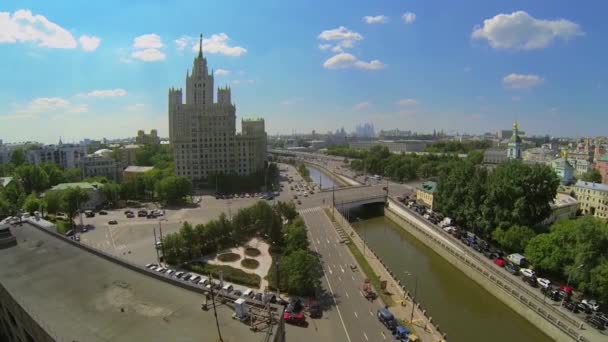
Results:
[591, 186]
[81, 297]
[82, 185]
[563, 200]
[138, 168]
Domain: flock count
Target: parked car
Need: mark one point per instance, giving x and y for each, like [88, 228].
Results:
[103, 212]
[150, 265]
[553, 294]
[511, 268]
[294, 318]
[130, 215]
[499, 262]
[314, 309]
[592, 304]
[142, 213]
[526, 272]
[237, 293]
[517, 259]
[570, 306]
[258, 296]
[583, 308]
[187, 277]
[387, 318]
[543, 282]
[112, 222]
[127, 212]
[595, 322]
[178, 274]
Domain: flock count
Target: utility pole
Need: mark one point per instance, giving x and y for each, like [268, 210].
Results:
[333, 200]
[217, 323]
[162, 245]
[415, 290]
[156, 247]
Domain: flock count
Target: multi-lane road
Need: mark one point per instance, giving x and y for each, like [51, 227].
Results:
[354, 315]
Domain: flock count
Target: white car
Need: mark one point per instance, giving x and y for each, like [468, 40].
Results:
[526, 272]
[591, 303]
[449, 229]
[169, 272]
[543, 282]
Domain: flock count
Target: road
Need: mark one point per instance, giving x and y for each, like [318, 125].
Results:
[355, 314]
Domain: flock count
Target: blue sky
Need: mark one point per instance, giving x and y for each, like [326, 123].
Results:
[102, 69]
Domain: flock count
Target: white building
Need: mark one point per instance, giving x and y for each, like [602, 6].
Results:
[203, 132]
[102, 164]
[64, 155]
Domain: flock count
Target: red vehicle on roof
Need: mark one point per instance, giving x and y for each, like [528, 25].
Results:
[294, 318]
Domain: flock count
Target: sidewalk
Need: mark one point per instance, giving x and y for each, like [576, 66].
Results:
[402, 309]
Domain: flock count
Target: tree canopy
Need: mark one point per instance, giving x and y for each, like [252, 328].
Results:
[592, 175]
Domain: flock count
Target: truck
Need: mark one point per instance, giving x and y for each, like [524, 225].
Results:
[517, 259]
[368, 293]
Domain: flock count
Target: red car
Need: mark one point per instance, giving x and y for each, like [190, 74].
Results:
[566, 289]
[500, 262]
[294, 318]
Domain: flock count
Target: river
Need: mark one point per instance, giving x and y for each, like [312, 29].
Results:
[463, 309]
[320, 178]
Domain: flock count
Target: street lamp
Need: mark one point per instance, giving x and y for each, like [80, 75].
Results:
[407, 273]
[568, 282]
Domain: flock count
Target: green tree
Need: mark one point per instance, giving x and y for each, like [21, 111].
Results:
[592, 175]
[18, 157]
[14, 194]
[295, 236]
[173, 189]
[514, 239]
[73, 198]
[33, 178]
[72, 175]
[31, 203]
[111, 192]
[301, 272]
[287, 210]
[174, 249]
[599, 281]
[54, 173]
[53, 201]
[5, 208]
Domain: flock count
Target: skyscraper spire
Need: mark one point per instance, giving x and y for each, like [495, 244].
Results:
[200, 47]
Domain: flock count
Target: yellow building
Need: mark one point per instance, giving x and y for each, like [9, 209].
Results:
[425, 193]
[593, 198]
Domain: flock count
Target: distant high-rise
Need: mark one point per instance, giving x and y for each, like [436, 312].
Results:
[147, 139]
[365, 130]
[203, 134]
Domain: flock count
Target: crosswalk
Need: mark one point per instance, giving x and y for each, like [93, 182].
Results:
[310, 210]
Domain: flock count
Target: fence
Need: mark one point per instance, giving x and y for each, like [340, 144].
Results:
[557, 318]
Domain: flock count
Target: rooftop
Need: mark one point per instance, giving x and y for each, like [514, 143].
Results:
[82, 185]
[563, 200]
[82, 297]
[591, 186]
[139, 169]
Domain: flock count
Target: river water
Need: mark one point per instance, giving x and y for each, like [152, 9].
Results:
[463, 309]
[320, 178]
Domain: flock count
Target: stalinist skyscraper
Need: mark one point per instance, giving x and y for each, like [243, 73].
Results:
[203, 132]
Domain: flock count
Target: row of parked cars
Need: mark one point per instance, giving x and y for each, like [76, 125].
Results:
[517, 264]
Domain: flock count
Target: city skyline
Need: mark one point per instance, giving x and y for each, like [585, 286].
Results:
[73, 74]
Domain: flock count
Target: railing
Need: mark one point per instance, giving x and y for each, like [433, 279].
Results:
[362, 199]
[549, 313]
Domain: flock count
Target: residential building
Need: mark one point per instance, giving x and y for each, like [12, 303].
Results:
[593, 198]
[127, 154]
[507, 134]
[93, 190]
[147, 139]
[601, 165]
[132, 172]
[64, 155]
[425, 193]
[581, 166]
[562, 207]
[203, 134]
[101, 163]
[563, 169]
[541, 155]
[393, 146]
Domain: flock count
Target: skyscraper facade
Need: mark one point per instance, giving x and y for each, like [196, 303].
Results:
[203, 134]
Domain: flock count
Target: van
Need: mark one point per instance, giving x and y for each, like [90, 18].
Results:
[387, 318]
[517, 259]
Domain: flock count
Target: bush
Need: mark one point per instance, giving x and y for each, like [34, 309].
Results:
[62, 226]
[252, 252]
[230, 274]
[250, 263]
[228, 257]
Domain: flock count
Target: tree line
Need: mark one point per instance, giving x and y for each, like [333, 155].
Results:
[450, 146]
[279, 225]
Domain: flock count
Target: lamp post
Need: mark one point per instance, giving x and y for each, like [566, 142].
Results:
[568, 282]
[415, 291]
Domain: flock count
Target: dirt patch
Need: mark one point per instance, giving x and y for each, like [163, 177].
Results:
[252, 252]
[250, 263]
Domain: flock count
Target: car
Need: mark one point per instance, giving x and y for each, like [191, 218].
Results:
[187, 277]
[195, 278]
[112, 222]
[130, 215]
[154, 268]
[237, 293]
[602, 316]
[583, 308]
[595, 322]
[526, 272]
[142, 213]
[103, 212]
[151, 216]
[70, 233]
[571, 306]
[294, 318]
[169, 272]
[299, 202]
[543, 282]
[150, 265]
[258, 296]
[511, 268]
[592, 304]
[76, 238]
[127, 212]
[178, 274]
[499, 262]
[314, 309]
[553, 294]
[89, 213]
[161, 269]
[531, 281]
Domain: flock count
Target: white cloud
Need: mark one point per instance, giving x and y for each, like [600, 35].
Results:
[182, 42]
[325, 46]
[521, 31]
[105, 93]
[221, 72]
[520, 81]
[147, 41]
[25, 27]
[149, 55]
[408, 17]
[378, 19]
[407, 102]
[243, 81]
[342, 36]
[337, 49]
[46, 105]
[218, 44]
[89, 43]
[362, 105]
[135, 107]
[346, 60]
